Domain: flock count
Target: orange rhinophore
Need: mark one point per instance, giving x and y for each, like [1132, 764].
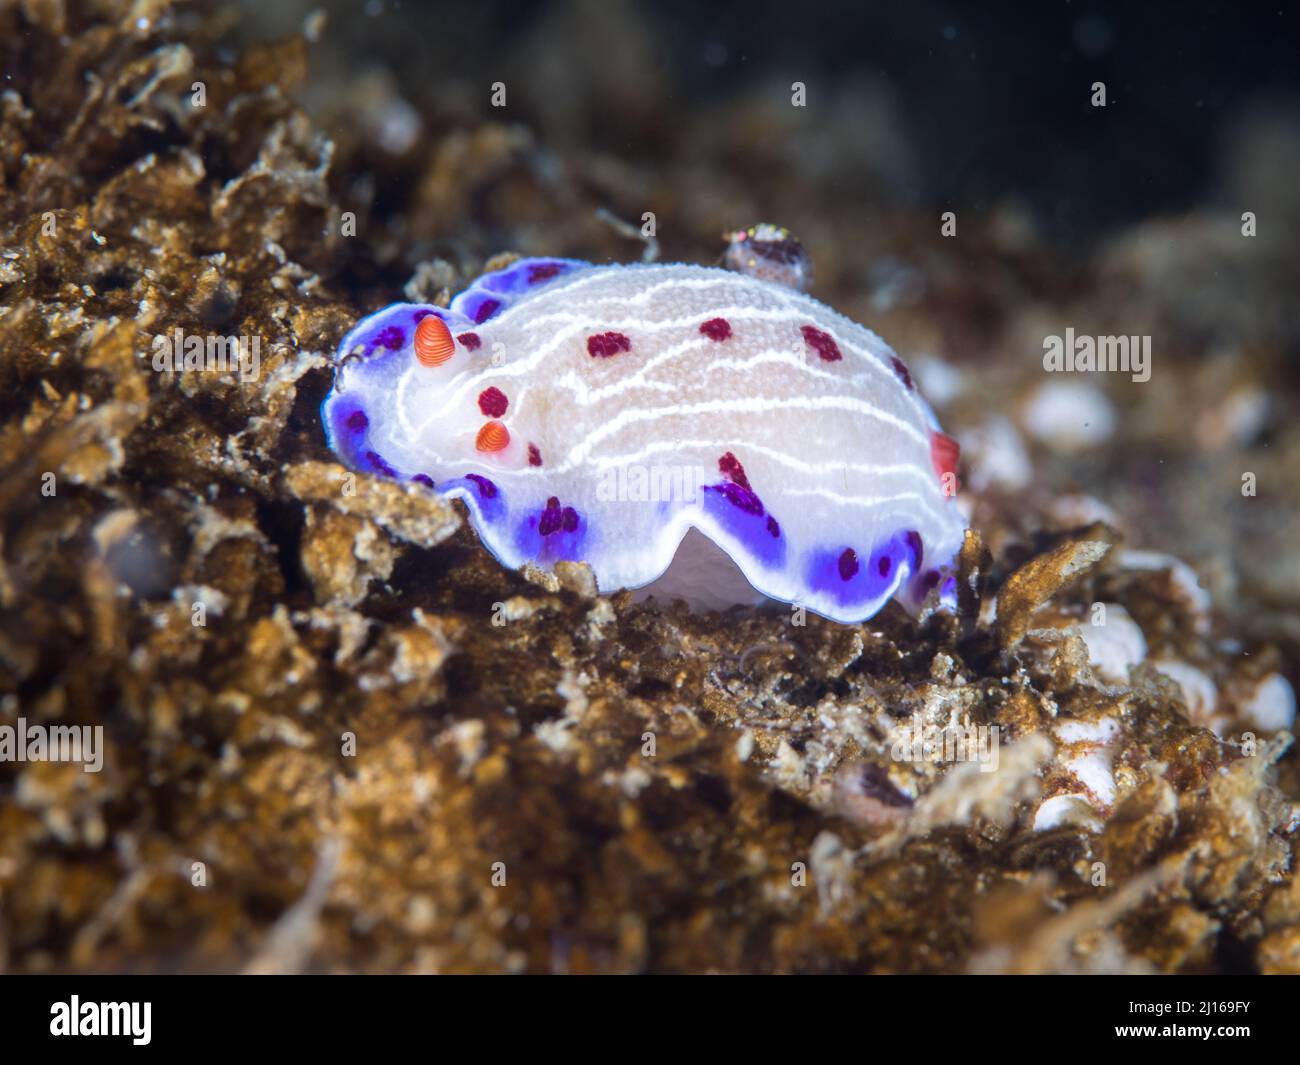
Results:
[433, 343]
[492, 437]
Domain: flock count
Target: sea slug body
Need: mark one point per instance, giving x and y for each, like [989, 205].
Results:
[603, 413]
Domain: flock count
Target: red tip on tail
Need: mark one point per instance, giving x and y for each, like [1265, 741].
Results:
[944, 454]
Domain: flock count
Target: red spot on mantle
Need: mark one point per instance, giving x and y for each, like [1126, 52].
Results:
[822, 343]
[944, 453]
[903, 374]
[470, 340]
[716, 329]
[551, 518]
[603, 345]
[534, 456]
[493, 402]
[733, 470]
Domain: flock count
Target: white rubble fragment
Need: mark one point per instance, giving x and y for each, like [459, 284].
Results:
[1060, 810]
[939, 380]
[1271, 707]
[1186, 582]
[1073, 511]
[1069, 416]
[996, 456]
[1091, 765]
[1199, 691]
[1116, 646]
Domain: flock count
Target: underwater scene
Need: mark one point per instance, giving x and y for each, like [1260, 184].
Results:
[612, 486]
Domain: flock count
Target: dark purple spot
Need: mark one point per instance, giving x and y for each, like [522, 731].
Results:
[377, 461]
[493, 402]
[551, 518]
[882, 567]
[772, 526]
[424, 479]
[420, 315]
[485, 487]
[733, 470]
[357, 421]
[542, 272]
[822, 343]
[930, 579]
[848, 564]
[918, 548]
[902, 371]
[470, 340]
[486, 310]
[603, 345]
[570, 519]
[716, 329]
[534, 456]
[391, 337]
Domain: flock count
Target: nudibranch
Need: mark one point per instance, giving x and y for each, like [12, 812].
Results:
[661, 421]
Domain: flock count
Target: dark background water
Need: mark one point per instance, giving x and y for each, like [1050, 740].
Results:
[981, 104]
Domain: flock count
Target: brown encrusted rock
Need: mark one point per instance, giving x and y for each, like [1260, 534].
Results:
[342, 553]
[576, 577]
[409, 512]
[1039, 579]
[346, 539]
